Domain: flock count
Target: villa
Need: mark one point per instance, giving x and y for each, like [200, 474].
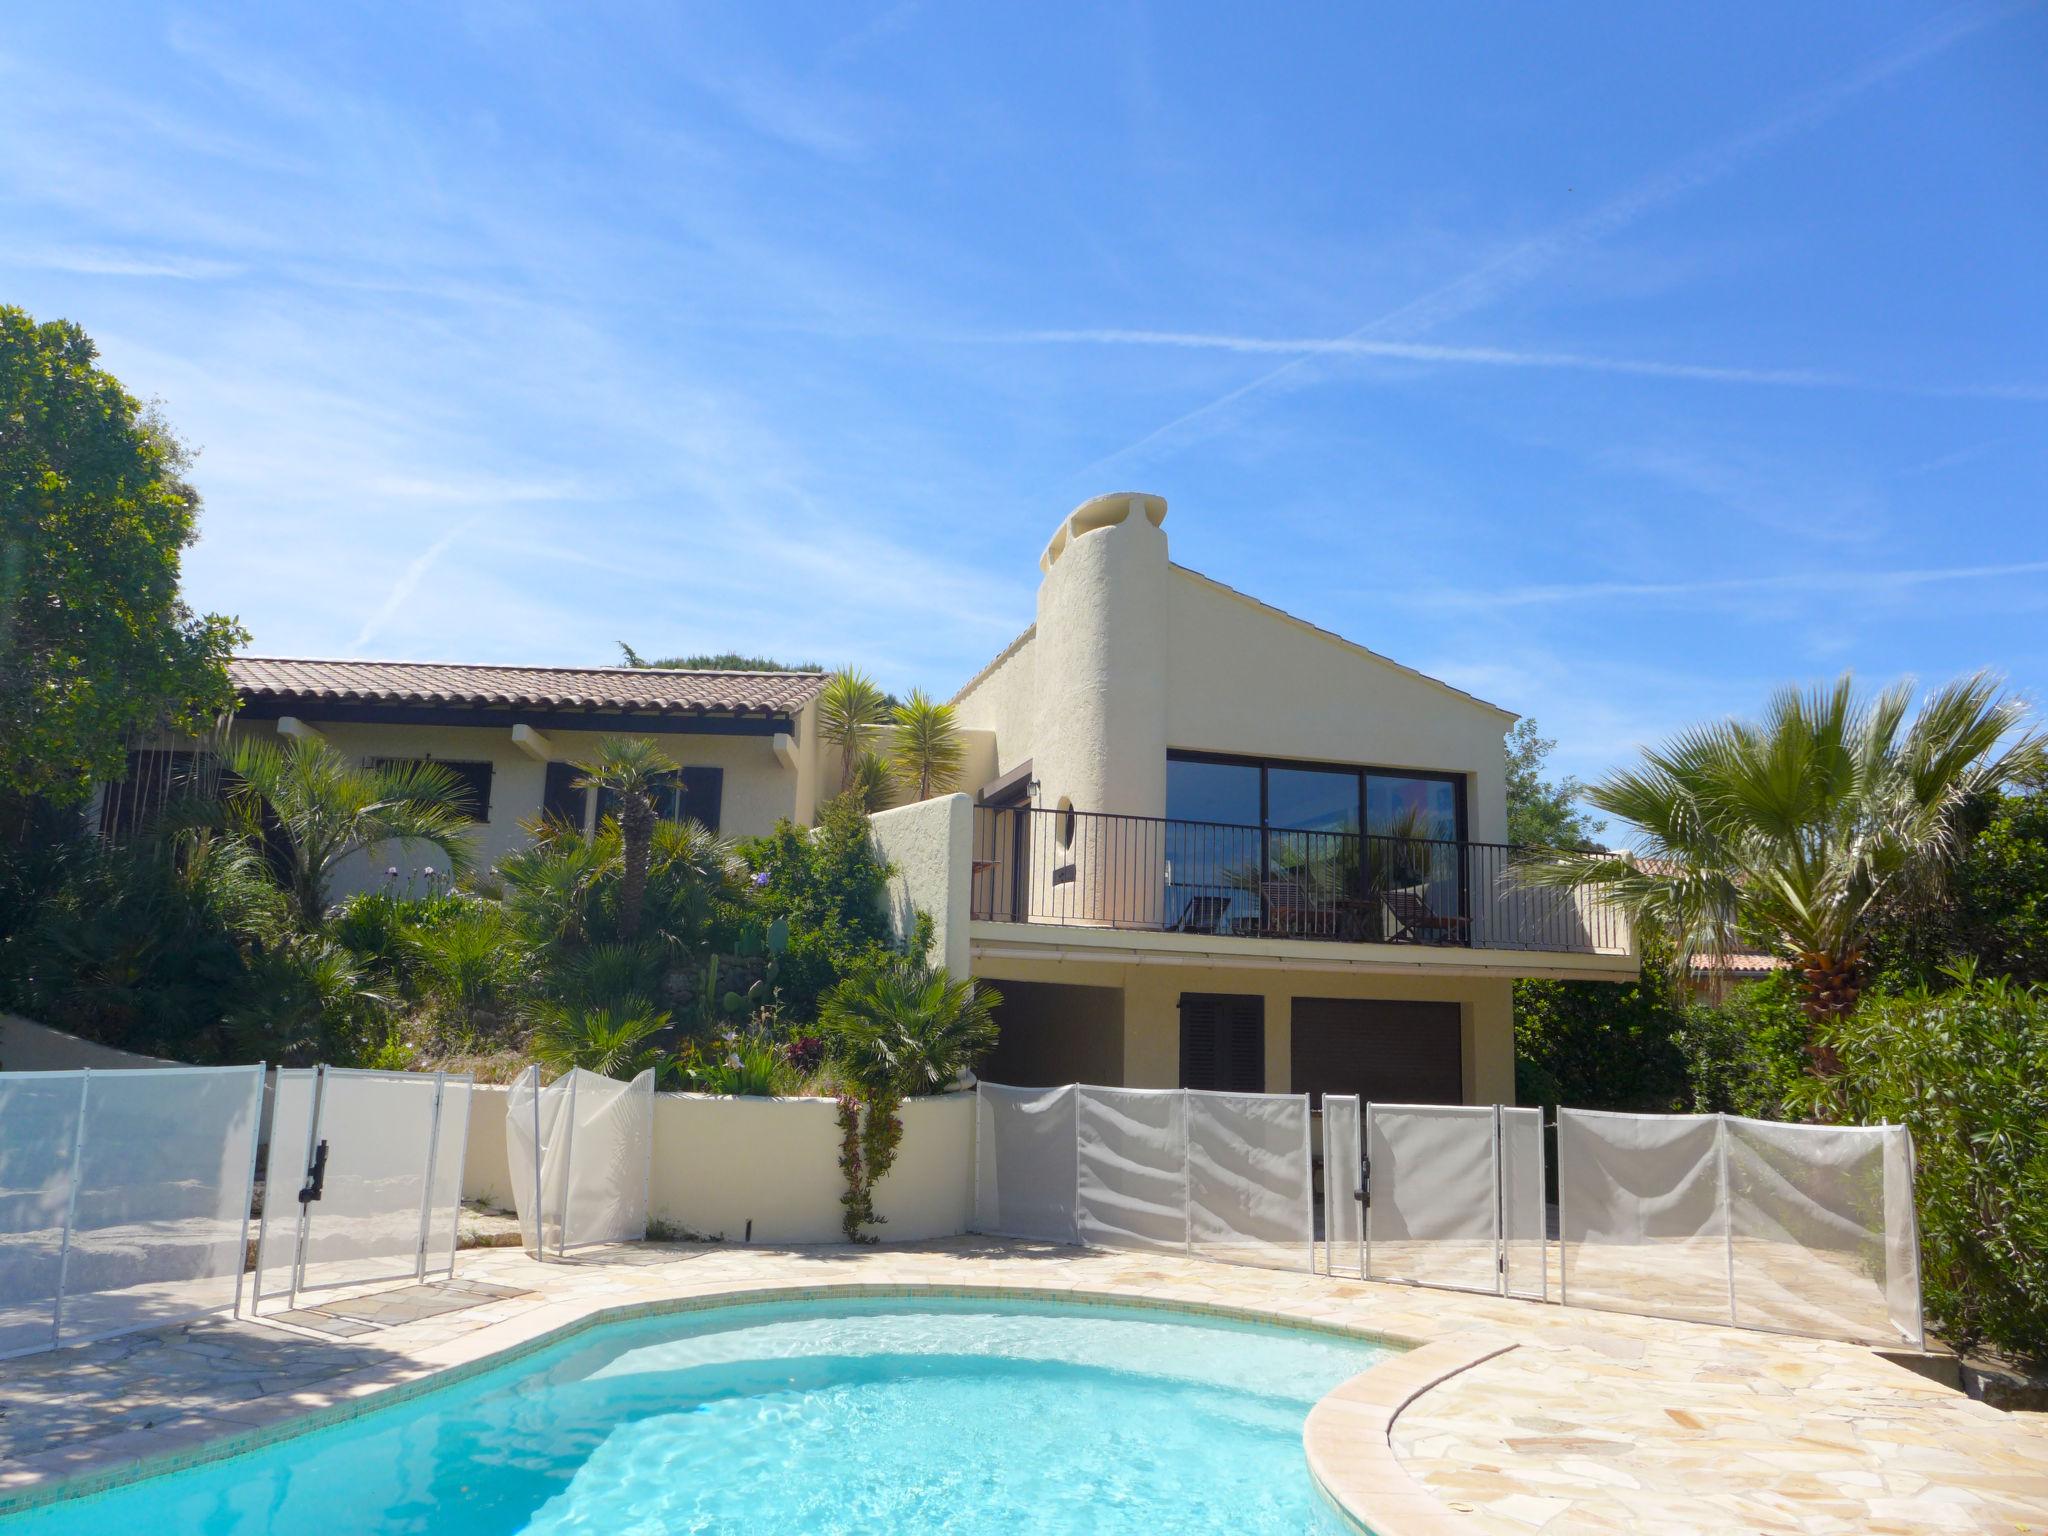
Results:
[1200, 842]
[1203, 843]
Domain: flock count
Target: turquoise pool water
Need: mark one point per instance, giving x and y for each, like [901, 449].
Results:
[901, 1416]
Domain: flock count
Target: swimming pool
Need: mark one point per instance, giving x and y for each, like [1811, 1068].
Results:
[911, 1415]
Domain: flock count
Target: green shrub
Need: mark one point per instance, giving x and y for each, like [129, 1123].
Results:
[1600, 1045]
[1967, 1070]
[828, 884]
[1746, 1054]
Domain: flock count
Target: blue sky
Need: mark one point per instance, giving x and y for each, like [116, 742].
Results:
[1614, 362]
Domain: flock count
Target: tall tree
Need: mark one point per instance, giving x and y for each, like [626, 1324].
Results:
[1796, 829]
[927, 753]
[1542, 814]
[96, 645]
[850, 710]
[633, 770]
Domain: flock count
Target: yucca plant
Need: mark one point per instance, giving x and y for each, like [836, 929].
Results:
[309, 808]
[1793, 830]
[850, 710]
[927, 753]
[633, 770]
[870, 785]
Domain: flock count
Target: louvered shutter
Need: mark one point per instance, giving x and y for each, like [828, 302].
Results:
[1223, 1042]
[559, 796]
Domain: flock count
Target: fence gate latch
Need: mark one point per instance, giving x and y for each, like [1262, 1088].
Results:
[1363, 1194]
[316, 1179]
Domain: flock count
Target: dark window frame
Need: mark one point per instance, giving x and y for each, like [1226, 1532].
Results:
[1360, 771]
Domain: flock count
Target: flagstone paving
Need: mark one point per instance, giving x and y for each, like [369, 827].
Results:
[1590, 1422]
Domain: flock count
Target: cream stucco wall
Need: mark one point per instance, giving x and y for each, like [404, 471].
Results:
[930, 845]
[721, 1163]
[1131, 656]
[1151, 1019]
[1002, 700]
[759, 789]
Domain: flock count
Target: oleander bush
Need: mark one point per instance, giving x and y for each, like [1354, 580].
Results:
[1966, 1068]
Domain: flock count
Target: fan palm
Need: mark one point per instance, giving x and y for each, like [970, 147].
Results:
[633, 770]
[850, 710]
[900, 1028]
[1794, 829]
[309, 808]
[927, 753]
[612, 1042]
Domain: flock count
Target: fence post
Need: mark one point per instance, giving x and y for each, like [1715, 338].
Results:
[1500, 1250]
[1365, 1182]
[540, 1236]
[70, 1210]
[1308, 1174]
[1187, 1189]
[1563, 1286]
[419, 1262]
[249, 1193]
[306, 1171]
[461, 1173]
[1727, 1223]
[568, 1124]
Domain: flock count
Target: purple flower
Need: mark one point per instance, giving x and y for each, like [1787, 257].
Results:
[429, 871]
[761, 879]
[391, 873]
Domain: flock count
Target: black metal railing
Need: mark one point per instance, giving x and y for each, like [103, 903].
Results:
[1093, 869]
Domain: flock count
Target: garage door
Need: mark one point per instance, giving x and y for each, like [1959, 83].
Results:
[1383, 1051]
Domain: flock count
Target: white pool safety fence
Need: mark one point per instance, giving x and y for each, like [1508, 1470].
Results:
[126, 1195]
[581, 1156]
[1714, 1218]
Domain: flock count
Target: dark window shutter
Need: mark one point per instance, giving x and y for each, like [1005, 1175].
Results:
[1197, 1040]
[703, 790]
[559, 796]
[1244, 1044]
[1223, 1042]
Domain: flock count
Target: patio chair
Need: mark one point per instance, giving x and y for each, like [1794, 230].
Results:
[1416, 922]
[1201, 914]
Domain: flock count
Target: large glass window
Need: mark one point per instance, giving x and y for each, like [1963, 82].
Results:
[1401, 806]
[1274, 847]
[1201, 790]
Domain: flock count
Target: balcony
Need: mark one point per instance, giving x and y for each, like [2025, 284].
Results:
[1093, 870]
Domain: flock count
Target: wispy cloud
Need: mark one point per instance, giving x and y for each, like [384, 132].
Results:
[1818, 580]
[1505, 357]
[409, 580]
[1527, 260]
[90, 261]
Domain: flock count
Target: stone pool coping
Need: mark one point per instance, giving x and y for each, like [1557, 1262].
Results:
[1349, 1439]
[119, 1460]
[1596, 1423]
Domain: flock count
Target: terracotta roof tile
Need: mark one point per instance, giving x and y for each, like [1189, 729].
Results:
[626, 689]
[1747, 963]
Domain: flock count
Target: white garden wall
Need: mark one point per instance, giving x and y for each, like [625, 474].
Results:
[720, 1163]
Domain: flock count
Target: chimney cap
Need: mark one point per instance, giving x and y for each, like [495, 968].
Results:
[1101, 512]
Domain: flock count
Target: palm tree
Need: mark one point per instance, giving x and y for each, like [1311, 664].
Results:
[633, 770]
[927, 753]
[850, 709]
[1794, 830]
[901, 1028]
[309, 808]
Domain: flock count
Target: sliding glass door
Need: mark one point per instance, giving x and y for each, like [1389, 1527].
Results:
[1264, 845]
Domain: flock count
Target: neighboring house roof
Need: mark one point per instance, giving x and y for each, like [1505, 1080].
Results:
[623, 690]
[1745, 963]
